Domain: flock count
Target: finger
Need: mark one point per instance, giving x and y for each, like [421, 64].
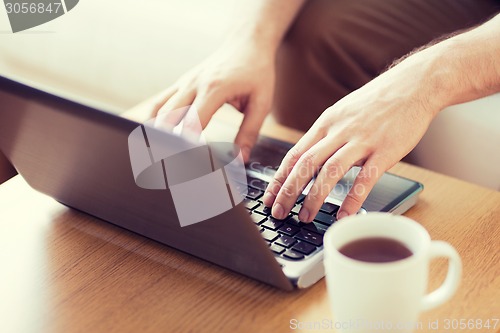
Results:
[170, 118]
[162, 98]
[303, 171]
[191, 127]
[255, 113]
[367, 177]
[292, 156]
[202, 110]
[331, 172]
[182, 97]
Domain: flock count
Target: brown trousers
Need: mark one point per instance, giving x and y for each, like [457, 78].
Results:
[336, 46]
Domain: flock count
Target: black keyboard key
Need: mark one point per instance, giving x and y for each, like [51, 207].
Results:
[254, 193]
[269, 235]
[316, 227]
[250, 204]
[258, 184]
[291, 254]
[277, 248]
[262, 209]
[294, 219]
[285, 241]
[325, 218]
[289, 229]
[300, 198]
[329, 208]
[310, 237]
[273, 224]
[258, 218]
[304, 248]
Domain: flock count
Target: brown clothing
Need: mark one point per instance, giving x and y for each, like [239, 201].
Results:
[336, 46]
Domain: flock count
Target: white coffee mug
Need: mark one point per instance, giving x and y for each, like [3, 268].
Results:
[371, 297]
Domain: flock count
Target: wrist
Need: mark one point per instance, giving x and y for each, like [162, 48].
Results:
[427, 78]
[263, 23]
[250, 35]
[442, 77]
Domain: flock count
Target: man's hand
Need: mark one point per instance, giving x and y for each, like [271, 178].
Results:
[241, 75]
[373, 127]
[378, 124]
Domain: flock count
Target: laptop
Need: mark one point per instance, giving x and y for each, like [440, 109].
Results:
[79, 156]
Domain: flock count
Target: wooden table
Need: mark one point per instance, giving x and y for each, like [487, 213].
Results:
[63, 271]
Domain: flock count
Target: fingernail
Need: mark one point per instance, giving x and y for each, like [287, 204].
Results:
[341, 215]
[278, 211]
[304, 214]
[268, 199]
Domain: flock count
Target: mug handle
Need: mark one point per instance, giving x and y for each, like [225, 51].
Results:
[450, 284]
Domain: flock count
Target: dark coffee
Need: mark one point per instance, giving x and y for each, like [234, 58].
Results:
[375, 249]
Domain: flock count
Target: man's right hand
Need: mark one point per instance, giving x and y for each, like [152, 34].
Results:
[241, 74]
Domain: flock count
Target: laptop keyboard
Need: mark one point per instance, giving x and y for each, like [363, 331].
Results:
[288, 238]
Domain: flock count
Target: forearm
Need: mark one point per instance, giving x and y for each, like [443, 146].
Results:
[466, 67]
[265, 22]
